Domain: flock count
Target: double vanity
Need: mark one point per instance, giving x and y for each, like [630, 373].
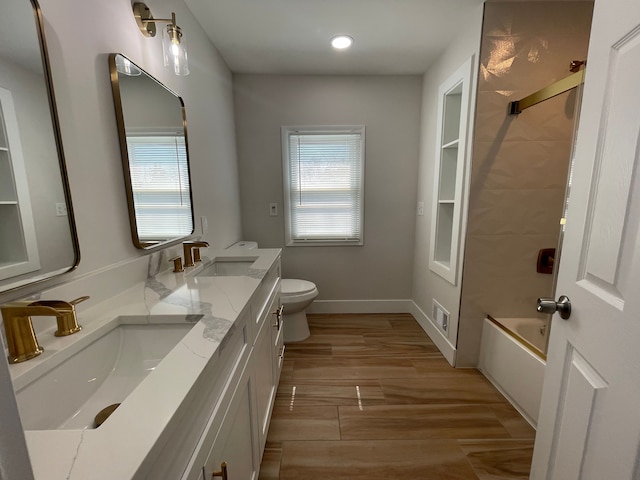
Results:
[193, 358]
[179, 369]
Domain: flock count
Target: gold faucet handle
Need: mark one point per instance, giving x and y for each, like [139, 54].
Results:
[79, 300]
[177, 264]
[65, 314]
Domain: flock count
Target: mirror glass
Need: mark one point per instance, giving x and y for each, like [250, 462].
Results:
[37, 232]
[155, 156]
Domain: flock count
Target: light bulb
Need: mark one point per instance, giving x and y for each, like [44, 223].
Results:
[341, 42]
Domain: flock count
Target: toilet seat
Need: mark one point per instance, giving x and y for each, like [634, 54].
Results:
[291, 286]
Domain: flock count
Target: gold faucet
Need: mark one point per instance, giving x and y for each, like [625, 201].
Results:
[187, 247]
[21, 339]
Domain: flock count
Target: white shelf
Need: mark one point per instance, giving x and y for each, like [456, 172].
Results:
[453, 107]
[18, 245]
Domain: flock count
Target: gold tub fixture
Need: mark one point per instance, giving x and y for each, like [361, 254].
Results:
[192, 247]
[21, 339]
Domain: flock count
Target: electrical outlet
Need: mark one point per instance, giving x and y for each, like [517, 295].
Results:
[273, 209]
[420, 208]
[61, 210]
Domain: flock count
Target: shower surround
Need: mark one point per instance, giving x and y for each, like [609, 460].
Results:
[520, 162]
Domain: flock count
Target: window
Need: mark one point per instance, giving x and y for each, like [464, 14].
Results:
[160, 184]
[324, 185]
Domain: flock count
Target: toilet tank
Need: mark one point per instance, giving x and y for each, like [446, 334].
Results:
[244, 245]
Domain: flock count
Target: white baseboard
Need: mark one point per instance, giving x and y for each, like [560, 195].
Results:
[436, 335]
[360, 306]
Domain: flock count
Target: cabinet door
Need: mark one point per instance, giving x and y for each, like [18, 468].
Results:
[266, 384]
[234, 444]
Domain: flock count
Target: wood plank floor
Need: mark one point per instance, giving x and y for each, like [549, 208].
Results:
[370, 397]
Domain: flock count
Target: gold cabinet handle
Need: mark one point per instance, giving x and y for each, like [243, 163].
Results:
[222, 472]
[278, 314]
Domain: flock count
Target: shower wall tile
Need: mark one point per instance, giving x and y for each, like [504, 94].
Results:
[513, 212]
[520, 162]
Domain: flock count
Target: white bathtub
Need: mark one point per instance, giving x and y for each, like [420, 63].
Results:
[515, 365]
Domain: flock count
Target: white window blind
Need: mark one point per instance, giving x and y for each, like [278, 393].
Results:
[324, 170]
[160, 183]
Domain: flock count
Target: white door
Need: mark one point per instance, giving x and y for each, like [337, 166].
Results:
[589, 426]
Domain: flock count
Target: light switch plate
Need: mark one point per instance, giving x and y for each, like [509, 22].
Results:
[420, 208]
[273, 209]
[61, 210]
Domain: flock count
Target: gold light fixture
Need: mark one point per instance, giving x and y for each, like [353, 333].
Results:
[173, 41]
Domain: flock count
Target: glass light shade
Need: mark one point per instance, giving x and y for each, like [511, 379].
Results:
[124, 66]
[174, 47]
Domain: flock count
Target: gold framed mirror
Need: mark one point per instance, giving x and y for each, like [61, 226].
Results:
[152, 129]
[38, 238]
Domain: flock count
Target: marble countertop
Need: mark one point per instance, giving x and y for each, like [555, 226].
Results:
[118, 449]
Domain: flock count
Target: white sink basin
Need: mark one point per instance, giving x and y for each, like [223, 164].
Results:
[105, 371]
[227, 267]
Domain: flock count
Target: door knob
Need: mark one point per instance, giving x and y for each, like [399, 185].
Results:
[549, 305]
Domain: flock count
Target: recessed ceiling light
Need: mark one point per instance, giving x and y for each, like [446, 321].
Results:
[341, 42]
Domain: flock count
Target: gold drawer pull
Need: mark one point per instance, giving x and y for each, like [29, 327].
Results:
[278, 314]
[222, 473]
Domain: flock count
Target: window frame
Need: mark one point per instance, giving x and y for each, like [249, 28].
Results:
[286, 132]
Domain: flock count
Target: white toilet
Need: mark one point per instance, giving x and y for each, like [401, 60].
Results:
[296, 296]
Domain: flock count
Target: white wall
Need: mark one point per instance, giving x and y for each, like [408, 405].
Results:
[79, 51]
[428, 286]
[80, 35]
[389, 107]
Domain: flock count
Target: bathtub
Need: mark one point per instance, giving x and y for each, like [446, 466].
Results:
[511, 358]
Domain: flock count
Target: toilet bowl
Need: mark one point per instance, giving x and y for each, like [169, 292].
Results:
[296, 295]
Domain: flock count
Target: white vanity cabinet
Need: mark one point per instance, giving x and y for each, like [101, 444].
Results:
[234, 443]
[211, 396]
[266, 364]
[235, 433]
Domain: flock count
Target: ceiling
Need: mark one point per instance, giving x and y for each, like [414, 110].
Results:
[292, 36]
